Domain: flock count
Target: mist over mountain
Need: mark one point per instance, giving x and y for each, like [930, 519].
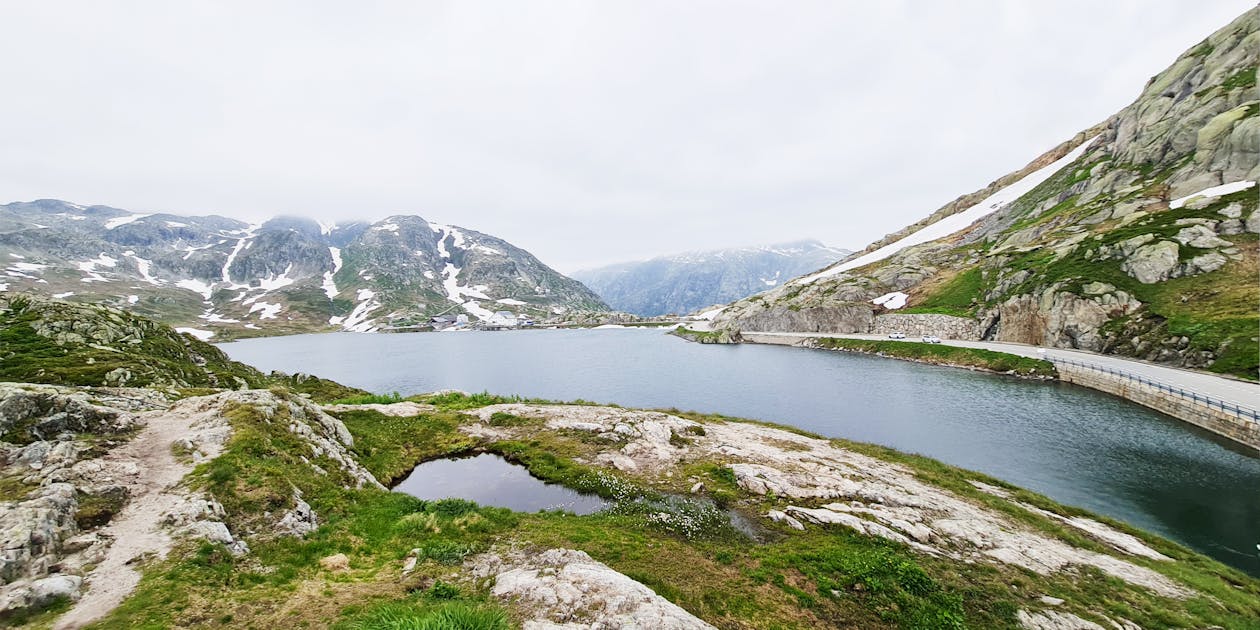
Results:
[686, 282]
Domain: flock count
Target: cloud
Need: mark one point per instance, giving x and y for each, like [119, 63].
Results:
[585, 132]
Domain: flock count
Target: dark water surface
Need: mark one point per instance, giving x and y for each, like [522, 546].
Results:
[1072, 444]
[491, 480]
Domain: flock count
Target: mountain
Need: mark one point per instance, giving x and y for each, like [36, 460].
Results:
[212, 274]
[1136, 237]
[687, 282]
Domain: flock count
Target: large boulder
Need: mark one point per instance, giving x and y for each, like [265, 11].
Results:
[1152, 263]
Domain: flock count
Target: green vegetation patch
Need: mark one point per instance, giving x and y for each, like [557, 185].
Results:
[391, 446]
[959, 296]
[89, 345]
[949, 355]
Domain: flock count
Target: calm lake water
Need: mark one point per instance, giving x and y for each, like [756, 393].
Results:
[1075, 445]
[491, 480]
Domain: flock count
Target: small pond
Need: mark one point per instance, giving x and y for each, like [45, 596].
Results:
[488, 479]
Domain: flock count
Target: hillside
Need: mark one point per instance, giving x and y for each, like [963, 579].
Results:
[56, 342]
[1136, 237]
[687, 282]
[153, 507]
[220, 276]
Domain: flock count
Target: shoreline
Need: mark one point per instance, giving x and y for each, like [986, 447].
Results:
[1195, 411]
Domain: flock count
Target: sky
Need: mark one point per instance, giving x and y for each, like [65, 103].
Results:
[587, 132]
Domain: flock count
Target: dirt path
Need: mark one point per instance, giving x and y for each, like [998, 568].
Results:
[151, 473]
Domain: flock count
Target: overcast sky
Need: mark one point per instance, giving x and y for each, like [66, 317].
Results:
[587, 132]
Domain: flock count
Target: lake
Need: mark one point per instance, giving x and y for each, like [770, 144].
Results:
[1075, 445]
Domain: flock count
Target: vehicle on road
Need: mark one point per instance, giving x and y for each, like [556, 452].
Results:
[931, 339]
[897, 335]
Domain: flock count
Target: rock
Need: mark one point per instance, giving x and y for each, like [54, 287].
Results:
[1200, 236]
[1054, 620]
[567, 588]
[699, 485]
[1204, 263]
[1230, 227]
[299, 521]
[1098, 288]
[31, 530]
[404, 409]
[336, 563]
[1128, 246]
[1050, 601]
[1253, 222]
[1152, 263]
[46, 590]
[1232, 211]
[213, 531]
[38, 593]
[782, 517]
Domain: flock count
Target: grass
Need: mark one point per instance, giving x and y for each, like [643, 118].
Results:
[958, 296]
[370, 399]
[947, 355]
[433, 613]
[391, 446]
[818, 578]
[148, 352]
[704, 336]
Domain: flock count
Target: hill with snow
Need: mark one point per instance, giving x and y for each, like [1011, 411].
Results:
[212, 275]
[1137, 237]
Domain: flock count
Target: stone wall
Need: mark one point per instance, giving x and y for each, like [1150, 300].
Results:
[943, 326]
[1243, 431]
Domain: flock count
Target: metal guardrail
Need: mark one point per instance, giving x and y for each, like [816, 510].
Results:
[1245, 413]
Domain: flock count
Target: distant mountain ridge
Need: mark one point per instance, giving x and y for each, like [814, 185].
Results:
[214, 275]
[683, 283]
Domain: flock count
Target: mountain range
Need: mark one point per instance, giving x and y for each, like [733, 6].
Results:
[1135, 237]
[213, 275]
[687, 282]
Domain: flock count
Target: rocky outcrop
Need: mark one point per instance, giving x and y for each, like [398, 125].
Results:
[1152, 263]
[566, 588]
[94, 345]
[852, 490]
[105, 489]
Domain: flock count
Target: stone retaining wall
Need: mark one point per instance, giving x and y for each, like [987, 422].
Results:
[915, 325]
[1222, 423]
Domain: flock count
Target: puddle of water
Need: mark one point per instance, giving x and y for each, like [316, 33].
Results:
[489, 479]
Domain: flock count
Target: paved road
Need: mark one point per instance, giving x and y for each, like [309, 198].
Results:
[1232, 391]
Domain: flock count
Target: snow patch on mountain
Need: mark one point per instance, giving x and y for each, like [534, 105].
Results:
[359, 319]
[268, 310]
[197, 286]
[956, 222]
[330, 286]
[144, 267]
[1215, 191]
[891, 301]
[89, 267]
[203, 335]
[124, 220]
